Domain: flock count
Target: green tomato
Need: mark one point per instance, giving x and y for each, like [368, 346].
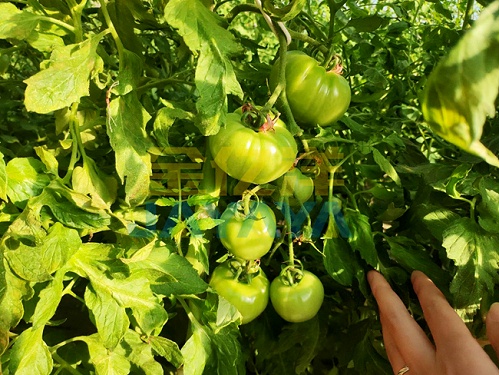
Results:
[315, 96]
[251, 155]
[250, 299]
[296, 186]
[300, 301]
[247, 236]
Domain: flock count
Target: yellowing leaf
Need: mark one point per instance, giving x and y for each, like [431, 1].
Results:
[65, 79]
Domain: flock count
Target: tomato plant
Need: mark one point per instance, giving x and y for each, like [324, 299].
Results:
[110, 199]
[249, 293]
[248, 230]
[315, 96]
[257, 155]
[297, 300]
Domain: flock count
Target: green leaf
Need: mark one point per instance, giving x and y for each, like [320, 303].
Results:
[50, 297]
[196, 351]
[30, 355]
[339, 260]
[165, 118]
[361, 238]
[167, 349]
[366, 24]
[437, 219]
[476, 255]
[489, 215]
[106, 362]
[15, 23]
[37, 263]
[386, 166]
[169, 274]
[215, 77]
[26, 178]
[110, 318]
[11, 305]
[284, 13]
[90, 180]
[3, 179]
[462, 89]
[412, 256]
[127, 133]
[139, 353]
[73, 209]
[117, 294]
[66, 78]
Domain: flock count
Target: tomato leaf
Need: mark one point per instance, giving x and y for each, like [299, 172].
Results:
[386, 166]
[338, 257]
[215, 77]
[25, 179]
[30, 351]
[109, 298]
[462, 89]
[475, 253]
[65, 79]
[15, 23]
[489, 215]
[50, 297]
[167, 349]
[169, 274]
[140, 352]
[104, 360]
[412, 256]
[130, 142]
[37, 263]
[196, 351]
[3, 179]
[361, 236]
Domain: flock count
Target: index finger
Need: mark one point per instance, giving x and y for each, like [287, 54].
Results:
[448, 330]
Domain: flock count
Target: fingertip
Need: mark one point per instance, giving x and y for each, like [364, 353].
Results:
[371, 275]
[493, 314]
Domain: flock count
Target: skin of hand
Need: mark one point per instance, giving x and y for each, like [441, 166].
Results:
[454, 350]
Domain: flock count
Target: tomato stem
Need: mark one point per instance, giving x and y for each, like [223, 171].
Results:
[280, 90]
[287, 218]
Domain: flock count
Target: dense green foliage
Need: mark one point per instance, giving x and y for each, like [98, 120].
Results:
[110, 200]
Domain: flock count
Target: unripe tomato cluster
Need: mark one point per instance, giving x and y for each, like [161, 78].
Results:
[267, 153]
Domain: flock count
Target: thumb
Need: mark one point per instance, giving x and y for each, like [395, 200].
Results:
[492, 322]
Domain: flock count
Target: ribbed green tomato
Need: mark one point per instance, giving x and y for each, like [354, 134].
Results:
[315, 96]
[256, 156]
[297, 302]
[247, 236]
[250, 299]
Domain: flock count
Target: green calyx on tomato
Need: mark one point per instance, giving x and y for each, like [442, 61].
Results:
[296, 295]
[315, 96]
[248, 292]
[296, 186]
[254, 153]
[248, 229]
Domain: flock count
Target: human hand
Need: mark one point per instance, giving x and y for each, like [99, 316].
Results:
[454, 351]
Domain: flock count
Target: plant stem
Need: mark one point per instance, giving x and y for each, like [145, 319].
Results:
[65, 365]
[114, 33]
[287, 218]
[280, 90]
[468, 13]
